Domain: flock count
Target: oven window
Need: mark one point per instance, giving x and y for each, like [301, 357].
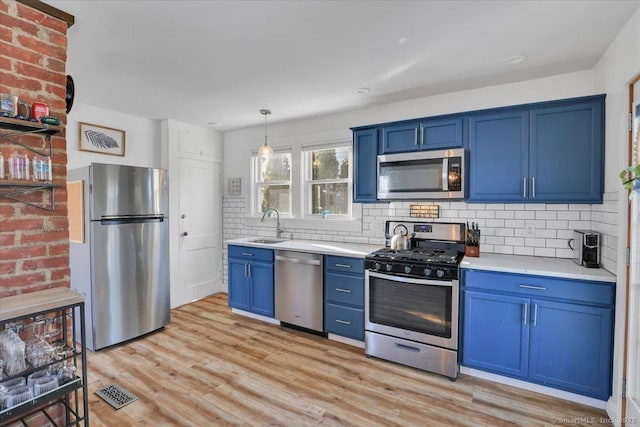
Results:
[420, 308]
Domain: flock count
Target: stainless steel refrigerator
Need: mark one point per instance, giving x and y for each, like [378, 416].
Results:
[122, 267]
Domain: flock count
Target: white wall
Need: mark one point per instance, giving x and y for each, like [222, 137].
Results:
[142, 137]
[619, 64]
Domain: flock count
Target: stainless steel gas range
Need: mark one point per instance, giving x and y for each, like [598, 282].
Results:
[412, 297]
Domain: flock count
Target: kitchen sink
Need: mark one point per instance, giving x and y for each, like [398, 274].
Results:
[268, 241]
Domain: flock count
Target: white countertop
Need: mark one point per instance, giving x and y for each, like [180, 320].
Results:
[541, 266]
[356, 250]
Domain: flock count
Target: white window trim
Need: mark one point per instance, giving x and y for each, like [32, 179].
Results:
[296, 220]
[307, 182]
[255, 185]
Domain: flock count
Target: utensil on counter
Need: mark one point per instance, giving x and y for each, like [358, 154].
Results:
[472, 240]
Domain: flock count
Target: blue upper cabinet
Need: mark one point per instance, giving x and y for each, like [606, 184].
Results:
[423, 134]
[365, 158]
[400, 138]
[550, 152]
[566, 153]
[441, 133]
[498, 156]
[547, 152]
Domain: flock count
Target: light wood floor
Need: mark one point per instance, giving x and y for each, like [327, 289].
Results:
[212, 367]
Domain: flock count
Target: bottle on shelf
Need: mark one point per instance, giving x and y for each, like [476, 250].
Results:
[42, 168]
[19, 167]
[1, 166]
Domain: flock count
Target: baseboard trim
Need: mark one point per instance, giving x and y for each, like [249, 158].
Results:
[589, 401]
[256, 316]
[345, 340]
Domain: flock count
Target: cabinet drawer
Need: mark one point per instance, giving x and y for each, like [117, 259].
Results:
[249, 253]
[344, 264]
[344, 289]
[345, 321]
[540, 286]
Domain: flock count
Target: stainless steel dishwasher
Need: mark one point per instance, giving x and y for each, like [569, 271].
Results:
[298, 289]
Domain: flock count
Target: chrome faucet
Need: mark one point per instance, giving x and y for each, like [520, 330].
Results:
[278, 227]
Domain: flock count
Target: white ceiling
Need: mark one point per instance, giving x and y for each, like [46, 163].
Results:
[222, 61]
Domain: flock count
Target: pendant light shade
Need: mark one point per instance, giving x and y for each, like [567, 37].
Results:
[266, 150]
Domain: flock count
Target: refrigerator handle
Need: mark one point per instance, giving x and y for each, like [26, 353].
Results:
[131, 220]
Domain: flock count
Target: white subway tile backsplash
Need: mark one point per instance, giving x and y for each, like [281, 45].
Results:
[558, 225]
[502, 225]
[545, 215]
[525, 214]
[544, 252]
[520, 250]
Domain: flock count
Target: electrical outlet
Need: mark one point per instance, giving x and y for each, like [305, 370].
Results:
[529, 229]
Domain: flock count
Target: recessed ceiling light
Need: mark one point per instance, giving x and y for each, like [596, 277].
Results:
[363, 90]
[403, 40]
[516, 59]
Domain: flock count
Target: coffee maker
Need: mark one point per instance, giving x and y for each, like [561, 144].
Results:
[586, 248]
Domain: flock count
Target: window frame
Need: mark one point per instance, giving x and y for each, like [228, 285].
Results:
[306, 155]
[256, 185]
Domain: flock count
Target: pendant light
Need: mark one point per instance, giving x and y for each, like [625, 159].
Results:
[265, 151]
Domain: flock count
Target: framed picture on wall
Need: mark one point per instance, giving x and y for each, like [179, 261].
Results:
[101, 139]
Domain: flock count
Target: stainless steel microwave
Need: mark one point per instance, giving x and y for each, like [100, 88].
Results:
[437, 174]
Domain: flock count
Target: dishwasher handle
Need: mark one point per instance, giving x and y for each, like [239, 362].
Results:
[298, 260]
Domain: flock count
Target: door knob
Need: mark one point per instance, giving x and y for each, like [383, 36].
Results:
[185, 234]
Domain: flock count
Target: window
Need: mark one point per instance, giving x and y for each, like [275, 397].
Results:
[328, 181]
[272, 182]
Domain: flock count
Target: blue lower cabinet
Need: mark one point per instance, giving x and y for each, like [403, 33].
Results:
[496, 338]
[571, 347]
[239, 286]
[553, 342]
[261, 278]
[251, 280]
[344, 296]
[345, 321]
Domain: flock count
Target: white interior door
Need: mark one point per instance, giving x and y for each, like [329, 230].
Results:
[633, 330]
[199, 229]
[193, 157]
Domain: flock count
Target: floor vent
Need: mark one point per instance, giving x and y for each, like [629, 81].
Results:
[116, 396]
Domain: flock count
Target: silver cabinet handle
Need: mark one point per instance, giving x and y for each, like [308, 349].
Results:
[406, 347]
[415, 137]
[535, 314]
[524, 187]
[525, 312]
[249, 269]
[245, 270]
[343, 265]
[344, 322]
[346, 291]
[535, 288]
[247, 254]
[533, 186]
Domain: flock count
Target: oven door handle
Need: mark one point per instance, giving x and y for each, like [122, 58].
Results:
[445, 174]
[392, 278]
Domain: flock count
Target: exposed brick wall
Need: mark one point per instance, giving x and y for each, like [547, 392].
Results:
[34, 243]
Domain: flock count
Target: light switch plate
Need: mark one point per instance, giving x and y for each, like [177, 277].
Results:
[234, 186]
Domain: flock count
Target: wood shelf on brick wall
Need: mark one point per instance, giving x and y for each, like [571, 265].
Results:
[10, 130]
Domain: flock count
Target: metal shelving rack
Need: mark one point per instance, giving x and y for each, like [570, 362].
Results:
[68, 404]
[10, 131]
